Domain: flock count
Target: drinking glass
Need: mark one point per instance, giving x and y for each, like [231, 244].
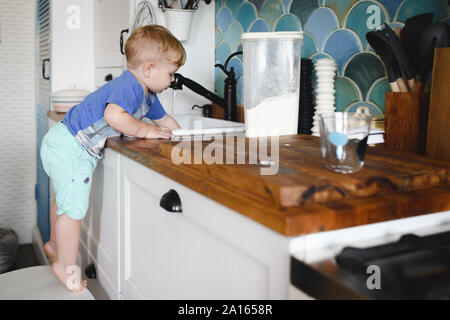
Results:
[343, 137]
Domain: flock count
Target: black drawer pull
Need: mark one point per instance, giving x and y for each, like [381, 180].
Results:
[44, 69]
[90, 271]
[171, 201]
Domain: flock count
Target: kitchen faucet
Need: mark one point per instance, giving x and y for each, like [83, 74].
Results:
[228, 102]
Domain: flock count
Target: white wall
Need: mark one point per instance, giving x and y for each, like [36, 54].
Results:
[72, 56]
[17, 117]
[70, 64]
[199, 65]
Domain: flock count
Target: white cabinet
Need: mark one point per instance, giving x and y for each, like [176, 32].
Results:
[72, 45]
[100, 228]
[103, 74]
[206, 252]
[112, 16]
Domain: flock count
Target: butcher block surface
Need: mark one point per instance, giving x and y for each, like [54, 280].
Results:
[303, 196]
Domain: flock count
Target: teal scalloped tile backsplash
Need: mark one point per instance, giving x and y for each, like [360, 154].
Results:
[332, 28]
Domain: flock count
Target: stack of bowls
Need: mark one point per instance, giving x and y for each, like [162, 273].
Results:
[306, 109]
[325, 69]
[63, 100]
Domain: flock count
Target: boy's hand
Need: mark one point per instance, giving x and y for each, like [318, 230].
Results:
[123, 122]
[158, 132]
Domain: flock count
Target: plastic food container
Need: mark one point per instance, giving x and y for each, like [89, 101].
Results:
[271, 82]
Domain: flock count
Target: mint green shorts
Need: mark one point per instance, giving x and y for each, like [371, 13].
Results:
[70, 167]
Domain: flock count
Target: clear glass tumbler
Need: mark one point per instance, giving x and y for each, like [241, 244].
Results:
[343, 138]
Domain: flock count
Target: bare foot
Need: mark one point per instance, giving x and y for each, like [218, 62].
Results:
[70, 276]
[50, 250]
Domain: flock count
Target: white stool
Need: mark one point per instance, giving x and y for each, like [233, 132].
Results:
[37, 283]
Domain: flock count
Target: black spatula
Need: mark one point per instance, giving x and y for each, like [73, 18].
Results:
[411, 33]
[436, 35]
[389, 36]
[382, 48]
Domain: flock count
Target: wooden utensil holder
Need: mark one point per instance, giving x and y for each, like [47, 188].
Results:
[406, 118]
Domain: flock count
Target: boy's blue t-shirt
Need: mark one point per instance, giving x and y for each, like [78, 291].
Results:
[86, 120]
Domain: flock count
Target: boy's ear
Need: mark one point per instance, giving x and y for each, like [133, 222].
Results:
[149, 66]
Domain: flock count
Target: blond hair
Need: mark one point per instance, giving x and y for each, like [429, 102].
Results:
[155, 43]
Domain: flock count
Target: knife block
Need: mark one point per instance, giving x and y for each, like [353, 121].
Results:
[406, 118]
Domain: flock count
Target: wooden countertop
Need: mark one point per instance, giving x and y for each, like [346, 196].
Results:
[305, 197]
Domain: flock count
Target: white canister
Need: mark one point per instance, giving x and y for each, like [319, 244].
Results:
[271, 82]
[179, 22]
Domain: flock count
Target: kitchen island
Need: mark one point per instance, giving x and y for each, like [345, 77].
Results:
[238, 228]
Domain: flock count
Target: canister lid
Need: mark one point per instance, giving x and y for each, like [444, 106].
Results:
[272, 35]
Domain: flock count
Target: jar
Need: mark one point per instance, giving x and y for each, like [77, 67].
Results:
[271, 82]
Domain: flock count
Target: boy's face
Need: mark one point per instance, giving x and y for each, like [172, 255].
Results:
[160, 76]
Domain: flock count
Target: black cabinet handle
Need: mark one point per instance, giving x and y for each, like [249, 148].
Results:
[108, 77]
[171, 201]
[43, 69]
[90, 271]
[121, 40]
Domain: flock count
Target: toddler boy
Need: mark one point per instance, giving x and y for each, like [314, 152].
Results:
[71, 149]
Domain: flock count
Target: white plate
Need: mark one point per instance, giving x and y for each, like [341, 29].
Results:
[325, 61]
[329, 90]
[324, 109]
[325, 80]
[325, 74]
[69, 94]
[320, 90]
[325, 68]
[327, 108]
[323, 65]
[325, 86]
[322, 102]
[324, 98]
